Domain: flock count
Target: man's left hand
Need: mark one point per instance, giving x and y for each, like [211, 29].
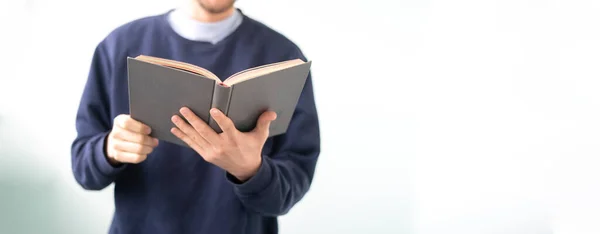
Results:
[238, 153]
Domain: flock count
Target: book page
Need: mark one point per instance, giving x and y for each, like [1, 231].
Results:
[261, 70]
[179, 65]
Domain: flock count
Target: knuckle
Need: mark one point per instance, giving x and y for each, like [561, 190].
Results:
[217, 151]
[115, 145]
[204, 132]
[110, 138]
[117, 134]
[138, 138]
[127, 124]
[139, 158]
[124, 135]
[139, 149]
[114, 134]
[209, 157]
[189, 139]
[120, 119]
[194, 138]
[147, 141]
[116, 155]
[230, 138]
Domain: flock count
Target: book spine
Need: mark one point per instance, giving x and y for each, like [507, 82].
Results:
[221, 97]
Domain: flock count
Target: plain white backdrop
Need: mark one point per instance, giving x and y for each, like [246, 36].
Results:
[461, 117]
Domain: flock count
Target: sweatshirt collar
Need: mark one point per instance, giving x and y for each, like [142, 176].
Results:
[194, 30]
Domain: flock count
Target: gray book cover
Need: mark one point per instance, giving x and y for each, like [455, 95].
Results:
[278, 91]
[157, 92]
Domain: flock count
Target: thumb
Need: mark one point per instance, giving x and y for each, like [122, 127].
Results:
[264, 121]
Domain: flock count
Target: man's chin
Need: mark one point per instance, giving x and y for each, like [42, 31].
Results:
[216, 9]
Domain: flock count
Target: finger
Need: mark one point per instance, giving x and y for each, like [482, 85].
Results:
[185, 138]
[126, 135]
[264, 122]
[189, 131]
[223, 121]
[126, 122]
[199, 125]
[127, 157]
[131, 147]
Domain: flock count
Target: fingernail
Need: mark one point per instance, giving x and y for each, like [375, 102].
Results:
[155, 141]
[174, 118]
[214, 111]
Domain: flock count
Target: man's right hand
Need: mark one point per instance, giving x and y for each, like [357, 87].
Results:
[128, 142]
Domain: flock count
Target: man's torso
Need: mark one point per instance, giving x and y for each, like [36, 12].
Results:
[175, 190]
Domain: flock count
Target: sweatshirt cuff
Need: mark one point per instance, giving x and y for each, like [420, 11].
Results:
[101, 160]
[257, 183]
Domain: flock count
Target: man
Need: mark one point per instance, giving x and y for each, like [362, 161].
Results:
[233, 182]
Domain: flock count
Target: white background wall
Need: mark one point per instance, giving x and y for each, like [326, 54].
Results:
[465, 116]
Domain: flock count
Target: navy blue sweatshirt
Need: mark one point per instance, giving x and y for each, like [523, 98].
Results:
[174, 190]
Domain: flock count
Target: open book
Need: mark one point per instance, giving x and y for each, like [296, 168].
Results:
[159, 87]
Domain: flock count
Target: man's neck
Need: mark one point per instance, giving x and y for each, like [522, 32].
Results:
[184, 24]
[200, 14]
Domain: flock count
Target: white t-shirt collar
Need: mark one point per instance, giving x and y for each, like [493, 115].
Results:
[191, 29]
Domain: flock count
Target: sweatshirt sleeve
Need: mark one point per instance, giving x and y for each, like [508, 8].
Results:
[285, 175]
[90, 166]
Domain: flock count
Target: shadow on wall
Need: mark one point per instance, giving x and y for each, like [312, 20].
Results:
[36, 196]
[27, 205]
[29, 192]
[27, 197]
